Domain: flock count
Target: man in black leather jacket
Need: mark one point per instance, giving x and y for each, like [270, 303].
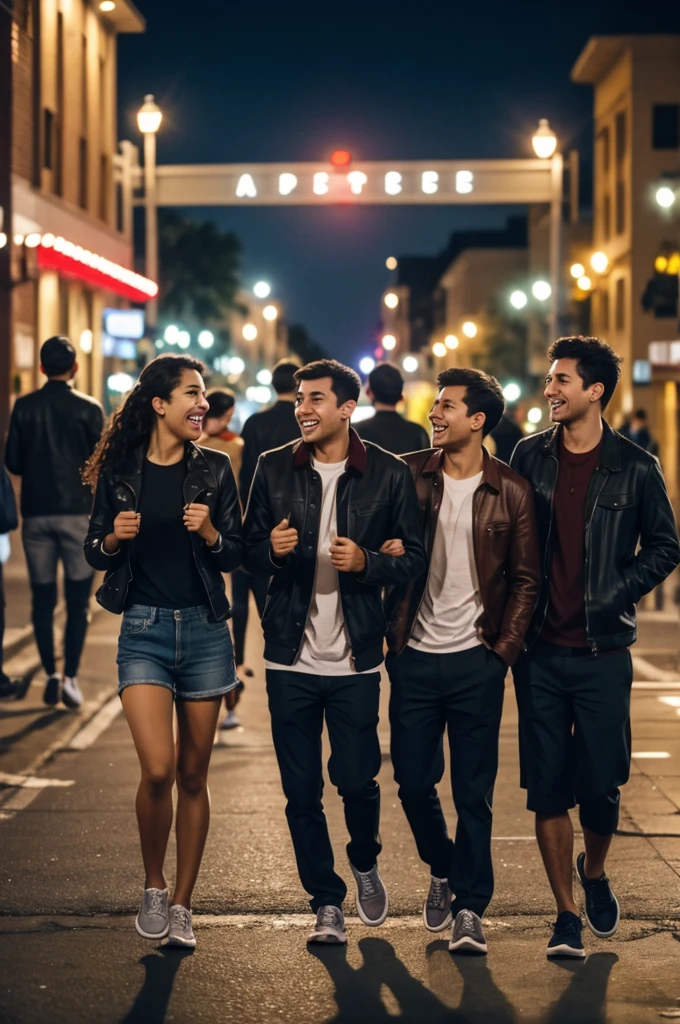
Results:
[608, 536]
[320, 511]
[52, 433]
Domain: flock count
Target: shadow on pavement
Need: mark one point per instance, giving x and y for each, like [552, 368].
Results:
[151, 1004]
[585, 998]
[481, 999]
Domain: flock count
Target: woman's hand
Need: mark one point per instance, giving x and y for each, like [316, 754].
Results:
[125, 527]
[394, 547]
[197, 520]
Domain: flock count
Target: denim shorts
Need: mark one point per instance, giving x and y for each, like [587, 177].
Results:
[183, 650]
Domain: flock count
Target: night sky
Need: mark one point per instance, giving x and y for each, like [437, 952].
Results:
[419, 80]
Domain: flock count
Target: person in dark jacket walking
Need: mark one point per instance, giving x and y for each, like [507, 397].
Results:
[52, 433]
[166, 523]
[452, 635]
[322, 516]
[608, 536]
[387, 427]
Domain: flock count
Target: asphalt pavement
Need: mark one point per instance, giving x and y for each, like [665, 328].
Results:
[71, 877]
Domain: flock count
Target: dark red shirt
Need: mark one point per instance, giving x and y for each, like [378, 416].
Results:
[565, 622]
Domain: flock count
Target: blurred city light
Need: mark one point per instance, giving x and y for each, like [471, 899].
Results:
[541, 290]
[206, 339]
[287, 183]
[320, 183]
[511, 392]
[544, 140]
[235, 364]
[469, 329]
[341, 158]
[33, 240]
[270, 312]
[391, 300]
[391, 263]
[264, 377]
[439, 349]
[107, 5]
[577, 270]
[518, 299]
[170, 334]
[393, 183]
[599, 261]
[159, 343]
[120, 383]
[3, 239]
[366, 364]
[389, 342]
[18, 239]
[149, 116]
[451, 341]
[410, 364]
[357, 180]
[262, 289]
[183, 339]
[430, 182]
[661, 264]
[85, 342]
[249, 332]
[259, 394]
[584, 283]
[535, 415]
[665, 197]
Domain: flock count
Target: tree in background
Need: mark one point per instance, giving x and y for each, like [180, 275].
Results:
[303, 345]
[200, 269]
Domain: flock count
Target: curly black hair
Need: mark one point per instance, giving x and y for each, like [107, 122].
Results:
[131, 425]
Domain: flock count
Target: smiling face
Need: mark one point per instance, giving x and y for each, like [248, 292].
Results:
[568, 400]
[452, 426]
[317, 411]
[183, 413]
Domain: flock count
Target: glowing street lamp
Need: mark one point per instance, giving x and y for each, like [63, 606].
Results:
[270, 312]
[391, 300]
[149, 116]
[599, 261]
[584, 283]
[183, 339]
[262, 289]
[665, 197]
[511, 392]
[206, 339]
[451, 341]
[391, 263]
[439, 349]
[389, 342]
[170, 334]
[518, 299]
[541, 290]
[535, 415]
[410, 364]
[544, 140]
[249, 332]
[469, 329]
[366, 364]
[264, 377]
[577, 270]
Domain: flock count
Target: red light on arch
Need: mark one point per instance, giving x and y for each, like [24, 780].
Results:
[341, 158]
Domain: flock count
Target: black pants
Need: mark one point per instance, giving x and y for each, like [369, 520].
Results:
[462, 692]
[3, 678]
[298, 703]
[241, 585]
[574, 731]
[77, 594]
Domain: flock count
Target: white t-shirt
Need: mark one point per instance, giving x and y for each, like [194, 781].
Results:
[452, 603]
[325, 649]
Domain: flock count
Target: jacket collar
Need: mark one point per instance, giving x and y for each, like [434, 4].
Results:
[357, 457]
[490, 475]
[610, 456]
[195, 462]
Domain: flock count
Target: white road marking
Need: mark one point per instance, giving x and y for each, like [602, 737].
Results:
[31, 781]
[91, 732]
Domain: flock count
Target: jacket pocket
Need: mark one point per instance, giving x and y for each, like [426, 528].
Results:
[616, 501]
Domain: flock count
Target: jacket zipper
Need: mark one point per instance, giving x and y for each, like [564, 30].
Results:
[591, 640]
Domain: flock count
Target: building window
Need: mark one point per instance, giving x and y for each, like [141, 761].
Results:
[620, 311]
[57, 166]
[604, 307]
[120, 217]
[48, 139]
[603, 138]
[620, 207]
[104, 177]
[666, 126]
[606, 217]
[620, 136]
[82, 173]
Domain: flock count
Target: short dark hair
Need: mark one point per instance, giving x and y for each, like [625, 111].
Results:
[57, 356]
[346, 382]
[483, 393]
[220, 400]
[596, 362]
[386, 383]
[283, 376]
[640, 414]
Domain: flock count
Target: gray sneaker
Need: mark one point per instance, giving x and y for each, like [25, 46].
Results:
[329, 927]
[467, 935]
[152, 920]
[372, 902]
[181, 933]
[437, 908]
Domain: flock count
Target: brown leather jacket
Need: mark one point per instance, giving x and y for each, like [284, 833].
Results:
[506, 551]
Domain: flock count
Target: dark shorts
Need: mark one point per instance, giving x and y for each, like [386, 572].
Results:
[183, 650]
[574, 728]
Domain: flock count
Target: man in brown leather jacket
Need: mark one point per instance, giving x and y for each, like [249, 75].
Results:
[452, 635]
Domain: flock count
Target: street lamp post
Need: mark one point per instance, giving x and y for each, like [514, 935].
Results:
[544, 142]
[149, 119]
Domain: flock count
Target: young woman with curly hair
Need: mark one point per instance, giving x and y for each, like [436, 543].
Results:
[165, 525]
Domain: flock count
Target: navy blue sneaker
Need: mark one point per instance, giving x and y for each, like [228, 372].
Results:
[566, 937]
[602, 906]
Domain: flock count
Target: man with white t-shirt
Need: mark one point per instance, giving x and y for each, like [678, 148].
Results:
[452, 635]
[324, 520]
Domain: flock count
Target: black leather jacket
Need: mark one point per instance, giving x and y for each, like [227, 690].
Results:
[376, 501]
[627, 505]
[209, 480]
[52, 433]
[261, 432]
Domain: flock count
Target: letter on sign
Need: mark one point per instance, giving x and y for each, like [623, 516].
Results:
[320, 185]
[464, 181]
[357, 180]
[287, 183]
[246, 187]
[393, 183]
[430, 182]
